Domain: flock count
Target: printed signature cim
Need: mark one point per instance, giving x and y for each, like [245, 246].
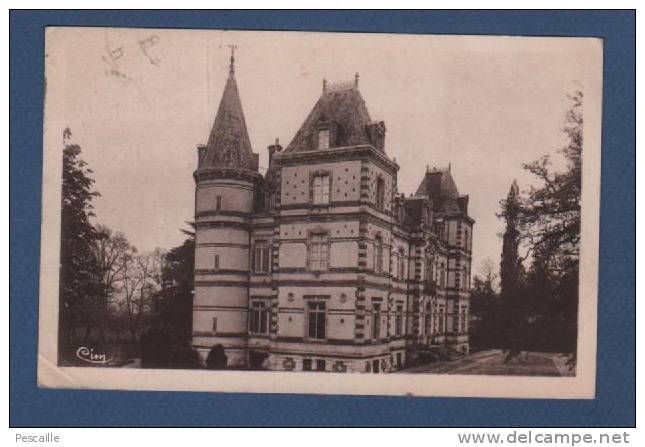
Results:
[89, 355]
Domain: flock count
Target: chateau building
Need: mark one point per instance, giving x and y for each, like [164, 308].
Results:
[321, 264]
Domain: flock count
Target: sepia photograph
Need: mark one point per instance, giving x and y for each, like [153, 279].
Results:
[335, 213]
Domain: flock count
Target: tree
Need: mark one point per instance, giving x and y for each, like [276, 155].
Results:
[510, 263]
[510, 268]
[489, 275]
[166, 342]
[175, 300]
[217, 358]
[111, 252]
[550, 221]
[77, 266]
[487, 324]
[141, 280]
[550, 217]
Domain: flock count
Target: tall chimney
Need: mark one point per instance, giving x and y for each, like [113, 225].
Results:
[273, 149]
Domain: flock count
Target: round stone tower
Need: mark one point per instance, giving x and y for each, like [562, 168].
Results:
[225, 182]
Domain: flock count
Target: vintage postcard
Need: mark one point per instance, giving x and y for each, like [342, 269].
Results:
[296, 212]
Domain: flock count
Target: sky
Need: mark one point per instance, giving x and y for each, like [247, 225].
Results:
[139, 101]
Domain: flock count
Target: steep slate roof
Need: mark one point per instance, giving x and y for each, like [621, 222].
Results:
[439, 185]
[412, 211]
[229, 144]
[345, 109]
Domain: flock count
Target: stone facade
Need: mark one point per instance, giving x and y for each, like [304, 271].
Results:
[321, 264]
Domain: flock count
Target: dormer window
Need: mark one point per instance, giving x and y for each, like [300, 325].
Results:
[229, 157]
[323, 138]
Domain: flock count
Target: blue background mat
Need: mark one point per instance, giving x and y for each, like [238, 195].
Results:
[615, 401]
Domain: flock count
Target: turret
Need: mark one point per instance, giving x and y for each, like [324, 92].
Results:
[225, 182]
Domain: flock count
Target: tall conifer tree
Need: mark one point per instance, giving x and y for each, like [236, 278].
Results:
[510, 270]
[77, 267]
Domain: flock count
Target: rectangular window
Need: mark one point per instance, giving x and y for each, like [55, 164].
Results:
[442, 319]
[380, 193]
[259, 317]
[320, 189]
[402, 265]
[216, 262]
[378, 254]
[214, 328]
[320, 365]
[270, 201]
[218, 203]
[306, 364]
[428, 323]
[316, 320]
[398, 327]
[429, 269]
[318, 251]
[261, 256]
[376, 321]
[323, 139]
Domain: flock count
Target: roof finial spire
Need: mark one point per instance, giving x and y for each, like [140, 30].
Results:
[231, 68]
[515, 189]
[356, 77]
[324, 85]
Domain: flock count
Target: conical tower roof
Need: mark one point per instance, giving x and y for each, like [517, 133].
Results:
[228, 143]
